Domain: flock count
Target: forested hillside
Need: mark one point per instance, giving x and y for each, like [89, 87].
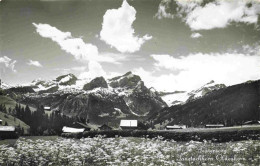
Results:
[230, 106]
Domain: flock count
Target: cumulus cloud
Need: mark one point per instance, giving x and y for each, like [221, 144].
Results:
[197, 69]
[34, 63]
[81, 51]
[218, 14]
[117, 30]
[6, 62]
[94, 70]
[163, 10]
[77, 70]
[195, 35]
[215, 14]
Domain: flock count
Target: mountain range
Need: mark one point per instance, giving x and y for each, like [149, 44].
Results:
[103, 100]
[98, 100]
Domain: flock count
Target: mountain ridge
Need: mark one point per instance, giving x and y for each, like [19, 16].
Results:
[99, 100]
[182, 97]
[108, 100]
[231, 105]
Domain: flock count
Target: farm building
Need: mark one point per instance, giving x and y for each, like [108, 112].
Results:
[105, 127]
[66, 129]
[128, 124]
[214, 125]
[47, 108]
[7, 132]
[132, 124]
[176, 127]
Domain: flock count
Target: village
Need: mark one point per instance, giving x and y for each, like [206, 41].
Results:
[7, 132]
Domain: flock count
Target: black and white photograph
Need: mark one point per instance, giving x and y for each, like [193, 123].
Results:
[129, 82]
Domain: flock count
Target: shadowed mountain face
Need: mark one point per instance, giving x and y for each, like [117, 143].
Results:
[98, 82]
[231, 105]
[99, 100]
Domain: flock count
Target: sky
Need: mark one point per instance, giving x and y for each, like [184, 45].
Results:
[171, 44]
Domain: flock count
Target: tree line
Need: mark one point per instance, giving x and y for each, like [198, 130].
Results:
[40, 123]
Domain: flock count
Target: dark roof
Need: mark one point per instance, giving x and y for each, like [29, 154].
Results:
[78, 124]
[104, 125]
[219, 125]
[252, 122]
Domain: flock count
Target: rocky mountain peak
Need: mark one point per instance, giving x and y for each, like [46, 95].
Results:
[96, 83]
[205, 89]
[68, 79]
[128, 73]
[128, 80]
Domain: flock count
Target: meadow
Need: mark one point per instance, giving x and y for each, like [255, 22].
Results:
[225, 134]
[100, 151]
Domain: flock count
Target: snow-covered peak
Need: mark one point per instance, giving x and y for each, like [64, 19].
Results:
[175, 98]
[37, 80]
[68, 79]
[128, 80]
[4, 85]
[210, 86]
[65, 79]
[181, 97]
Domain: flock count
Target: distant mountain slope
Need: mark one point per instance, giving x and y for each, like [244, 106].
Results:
[51, 86]
[10, 103]
[205, 90]
[68, 79]
[181, 97]
[230, 105]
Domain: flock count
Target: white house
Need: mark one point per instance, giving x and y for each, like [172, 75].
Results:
[7, 132]
[47, 108]
[176, 127]
[7, 128]
[214, 125]
[66, 129]
[128, 124]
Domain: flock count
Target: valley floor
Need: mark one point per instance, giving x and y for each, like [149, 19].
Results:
[127, 151]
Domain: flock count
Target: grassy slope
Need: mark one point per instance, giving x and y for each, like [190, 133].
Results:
[10, 103]
[11, 122]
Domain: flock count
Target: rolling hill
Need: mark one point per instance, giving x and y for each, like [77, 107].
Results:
[10, 103]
